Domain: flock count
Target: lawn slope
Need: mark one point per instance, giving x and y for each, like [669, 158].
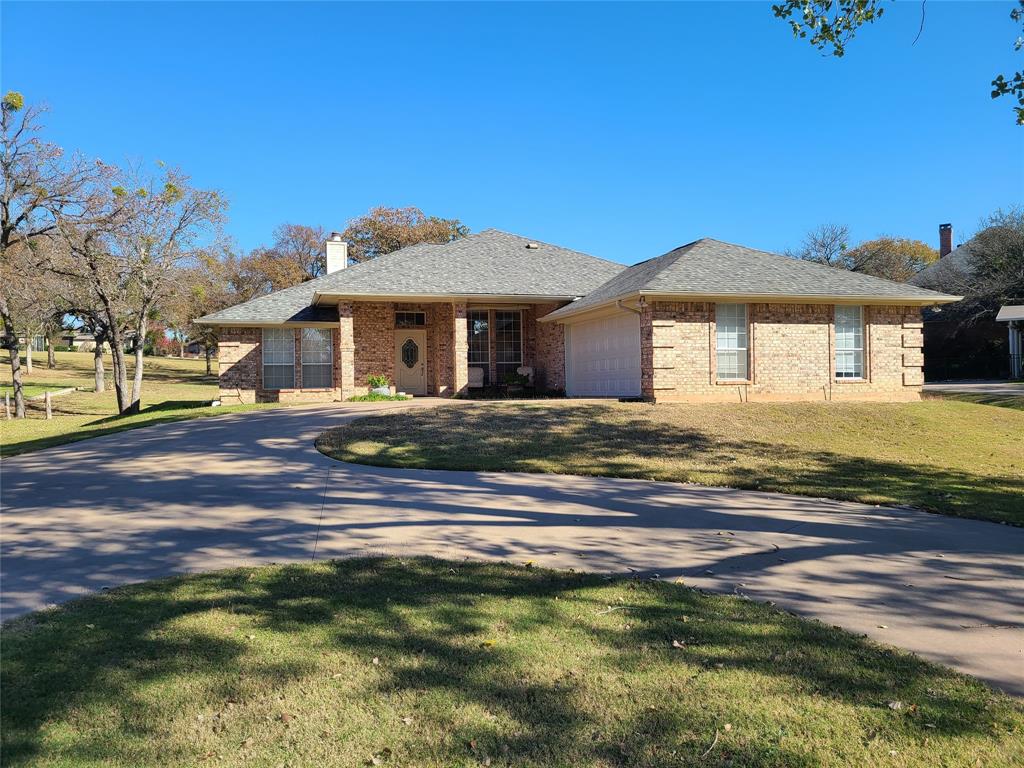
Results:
[951, 457]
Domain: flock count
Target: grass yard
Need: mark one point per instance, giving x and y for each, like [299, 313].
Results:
[172, 390]
[952, 457]
[430, 663]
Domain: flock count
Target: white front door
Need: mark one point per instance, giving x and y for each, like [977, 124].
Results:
[411, 361]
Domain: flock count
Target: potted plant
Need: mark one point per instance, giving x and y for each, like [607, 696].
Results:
[379, 384]
[515, 382]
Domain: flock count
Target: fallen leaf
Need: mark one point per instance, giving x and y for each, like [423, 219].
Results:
[286, 718]
[336, 676]
[895, 705]
[407, 720]
[728, 726]
[677, 644]
[376, 660]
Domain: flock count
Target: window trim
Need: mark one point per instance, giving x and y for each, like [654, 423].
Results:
[330, 357]
[746, 349]
[263, 359]
[862, 349]
[419, 315]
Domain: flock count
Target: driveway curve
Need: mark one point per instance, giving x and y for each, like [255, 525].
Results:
[250, 488]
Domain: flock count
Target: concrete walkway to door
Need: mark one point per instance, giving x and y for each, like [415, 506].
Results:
[251, 488]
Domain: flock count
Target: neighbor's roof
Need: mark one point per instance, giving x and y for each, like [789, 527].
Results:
[709, 267]
[489, 263]
[951, 270]
[1010, 312]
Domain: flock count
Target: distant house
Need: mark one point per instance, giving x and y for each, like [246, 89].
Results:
[706, 321]
[953, 349]
[1013, 316]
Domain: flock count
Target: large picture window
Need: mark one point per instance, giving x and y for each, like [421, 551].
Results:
[317, 358]
[849, 342]
[508, 342]
[479, 341]
[278, 358]
[731, 341]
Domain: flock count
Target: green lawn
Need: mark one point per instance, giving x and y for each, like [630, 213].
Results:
[173, 390]
[952, 457]
[431, 663]
[30, 390]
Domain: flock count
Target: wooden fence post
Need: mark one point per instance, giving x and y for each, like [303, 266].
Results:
[49, 412]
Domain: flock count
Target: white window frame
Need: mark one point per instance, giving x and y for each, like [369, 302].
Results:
[315, 356]
[732, 340]
[278, 353]
[850, 334]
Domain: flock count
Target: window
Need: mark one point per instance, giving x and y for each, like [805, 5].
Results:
[849, 342]
[316, 358]
[278, 358]
[410, 319]
[479, 342]
[508, 342]
[731, 341]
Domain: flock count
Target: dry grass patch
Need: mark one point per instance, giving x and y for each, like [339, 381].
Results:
[429, 663]
[951, 457]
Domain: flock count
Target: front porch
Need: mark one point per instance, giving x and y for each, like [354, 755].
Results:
[440, 349]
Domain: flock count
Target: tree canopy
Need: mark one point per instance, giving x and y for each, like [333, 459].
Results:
[830, 24]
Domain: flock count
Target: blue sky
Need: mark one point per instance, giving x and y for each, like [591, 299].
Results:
[622, 130]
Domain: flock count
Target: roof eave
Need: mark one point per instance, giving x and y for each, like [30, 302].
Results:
[332, 296]
[762, 298]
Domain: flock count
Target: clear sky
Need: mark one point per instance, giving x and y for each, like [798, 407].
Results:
[622, 130]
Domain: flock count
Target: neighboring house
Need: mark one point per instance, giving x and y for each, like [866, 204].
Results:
[955, 349]
[1013, 316]
[82, 342]
[707, 321]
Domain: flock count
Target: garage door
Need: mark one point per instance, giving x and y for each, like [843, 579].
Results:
[603, 357]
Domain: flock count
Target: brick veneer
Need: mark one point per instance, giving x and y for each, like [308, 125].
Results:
[240, 353]
[364, 344]
[791, 354]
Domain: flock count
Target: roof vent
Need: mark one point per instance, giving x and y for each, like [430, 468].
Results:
[533, 246]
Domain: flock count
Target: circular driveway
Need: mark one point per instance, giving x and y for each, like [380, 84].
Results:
[250, 488]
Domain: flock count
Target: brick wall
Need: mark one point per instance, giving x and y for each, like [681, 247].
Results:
[364, 344]
[548, 350]
[791, 354]
[241, 370]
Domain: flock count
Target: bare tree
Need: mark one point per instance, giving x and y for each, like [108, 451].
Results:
[149, 226]
[826, 244]
[40, 186]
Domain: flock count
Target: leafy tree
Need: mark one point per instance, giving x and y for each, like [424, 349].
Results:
[894, 258]
[826, 244]
[831, 24]
[39, 186]
[384, 230]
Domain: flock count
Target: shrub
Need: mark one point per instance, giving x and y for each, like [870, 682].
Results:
[377, 380]
[374, 397]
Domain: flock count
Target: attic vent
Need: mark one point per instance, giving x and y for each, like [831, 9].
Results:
[532, 246]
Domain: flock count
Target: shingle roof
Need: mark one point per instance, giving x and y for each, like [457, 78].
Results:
[489, 263]
[952, 269]
[713, 268]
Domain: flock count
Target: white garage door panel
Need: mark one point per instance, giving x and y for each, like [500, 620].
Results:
[604, 357]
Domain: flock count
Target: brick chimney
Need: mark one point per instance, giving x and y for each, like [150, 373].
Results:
[945, 239]
[336, 251]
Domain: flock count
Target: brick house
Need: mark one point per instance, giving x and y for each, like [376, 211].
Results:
[706, 321]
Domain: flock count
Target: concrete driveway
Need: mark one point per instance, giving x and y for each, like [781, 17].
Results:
[250, 488]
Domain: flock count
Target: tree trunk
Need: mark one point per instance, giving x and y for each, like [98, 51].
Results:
[11, 345]
[51, 353]
[209, 367]
[28, 351]
[97, 362]
[120, 374]
[140, 342]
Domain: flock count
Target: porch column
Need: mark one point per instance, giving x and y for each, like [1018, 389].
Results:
[346, 351]
[460, 352]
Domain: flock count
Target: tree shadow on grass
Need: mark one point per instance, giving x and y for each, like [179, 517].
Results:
[499, 665]
[595, 440]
